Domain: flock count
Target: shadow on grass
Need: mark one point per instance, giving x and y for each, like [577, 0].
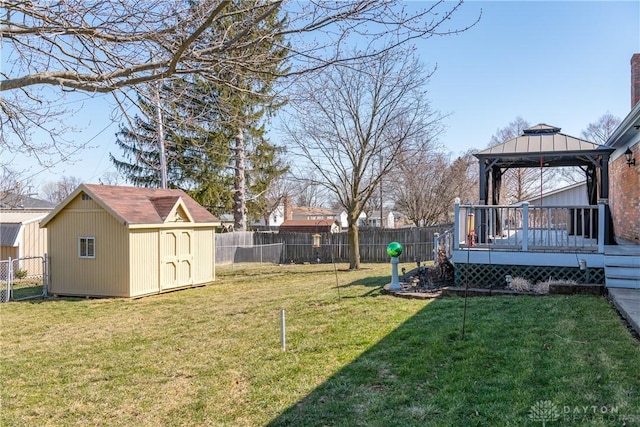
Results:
[375, 283]
[516, 352]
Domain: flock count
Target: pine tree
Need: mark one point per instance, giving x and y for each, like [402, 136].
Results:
[207, 120]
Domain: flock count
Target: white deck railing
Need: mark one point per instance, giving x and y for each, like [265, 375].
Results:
[530, 228]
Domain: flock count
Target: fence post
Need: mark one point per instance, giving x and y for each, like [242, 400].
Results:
[9, 280]
[525, 226]
[45, 276]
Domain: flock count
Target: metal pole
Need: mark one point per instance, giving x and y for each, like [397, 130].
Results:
[45, 277]
[335, 269]
[283, 337]
[160, 129]
[7, 295]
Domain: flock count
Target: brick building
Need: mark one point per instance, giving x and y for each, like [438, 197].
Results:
[624, 166]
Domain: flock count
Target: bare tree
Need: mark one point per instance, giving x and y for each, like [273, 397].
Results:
[14, 189]
[600, 130]
[273, 196]
[110, 178]
[352, 125]
[57, 191]
[98, 46]
[306, 193]
[428, 183]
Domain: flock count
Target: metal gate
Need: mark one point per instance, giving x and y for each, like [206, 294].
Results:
[23, 278]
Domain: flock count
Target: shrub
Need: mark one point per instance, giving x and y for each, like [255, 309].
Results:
[20, 273]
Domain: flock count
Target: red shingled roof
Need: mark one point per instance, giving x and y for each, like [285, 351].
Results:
[135, 205]
[306, 226]
[138, 205]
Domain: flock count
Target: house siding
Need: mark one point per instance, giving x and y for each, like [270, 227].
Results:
[625, 196]
[573, 196]
[107, 273]
[34, 242]
[7, 252]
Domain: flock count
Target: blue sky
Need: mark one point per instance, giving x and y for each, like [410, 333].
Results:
[564, 63]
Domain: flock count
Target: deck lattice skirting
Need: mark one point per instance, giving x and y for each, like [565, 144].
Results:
[493, 275]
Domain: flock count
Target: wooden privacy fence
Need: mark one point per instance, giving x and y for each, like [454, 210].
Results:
[298, 247]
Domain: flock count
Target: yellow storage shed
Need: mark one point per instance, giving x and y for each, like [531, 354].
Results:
[120, 241]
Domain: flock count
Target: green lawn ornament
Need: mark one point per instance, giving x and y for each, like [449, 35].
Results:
[394, 249]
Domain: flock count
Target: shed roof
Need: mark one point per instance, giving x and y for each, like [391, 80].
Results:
[9, 234]
[16, 216]
[135, 205]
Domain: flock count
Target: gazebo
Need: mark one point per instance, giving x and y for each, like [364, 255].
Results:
[545, 146]
[536, 241]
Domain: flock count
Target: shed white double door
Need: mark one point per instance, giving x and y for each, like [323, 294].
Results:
[176, 259]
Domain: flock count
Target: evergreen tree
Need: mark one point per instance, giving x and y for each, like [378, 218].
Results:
[206, 120]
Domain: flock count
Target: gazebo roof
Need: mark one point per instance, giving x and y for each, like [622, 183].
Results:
[543, 142]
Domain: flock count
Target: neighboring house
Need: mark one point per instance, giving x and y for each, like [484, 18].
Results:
[306, 219]
[571, 195]
[342, 218]
[121, 241]
[226, 222]
[275, 219]
[21, 237]
[20, 233]
[373, 220]
[311, 214]
[24, 203]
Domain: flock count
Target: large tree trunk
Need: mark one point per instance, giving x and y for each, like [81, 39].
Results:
[239, 201]
[354, 245]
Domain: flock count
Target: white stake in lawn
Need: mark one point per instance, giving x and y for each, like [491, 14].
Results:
[283, 338]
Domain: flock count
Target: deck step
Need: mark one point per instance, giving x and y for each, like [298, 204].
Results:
[622, 261]
[622, 283]
[622, 271]
[626, 272]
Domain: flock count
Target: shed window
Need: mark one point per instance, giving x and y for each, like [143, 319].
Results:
[85, 196]
[86, 247]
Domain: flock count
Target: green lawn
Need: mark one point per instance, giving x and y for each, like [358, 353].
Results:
[211, 356]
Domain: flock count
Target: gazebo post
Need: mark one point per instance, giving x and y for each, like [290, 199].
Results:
[484, 196]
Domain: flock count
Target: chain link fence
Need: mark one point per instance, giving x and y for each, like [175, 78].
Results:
[23, 278]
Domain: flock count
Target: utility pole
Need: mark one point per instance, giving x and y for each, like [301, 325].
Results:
[160, 130]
